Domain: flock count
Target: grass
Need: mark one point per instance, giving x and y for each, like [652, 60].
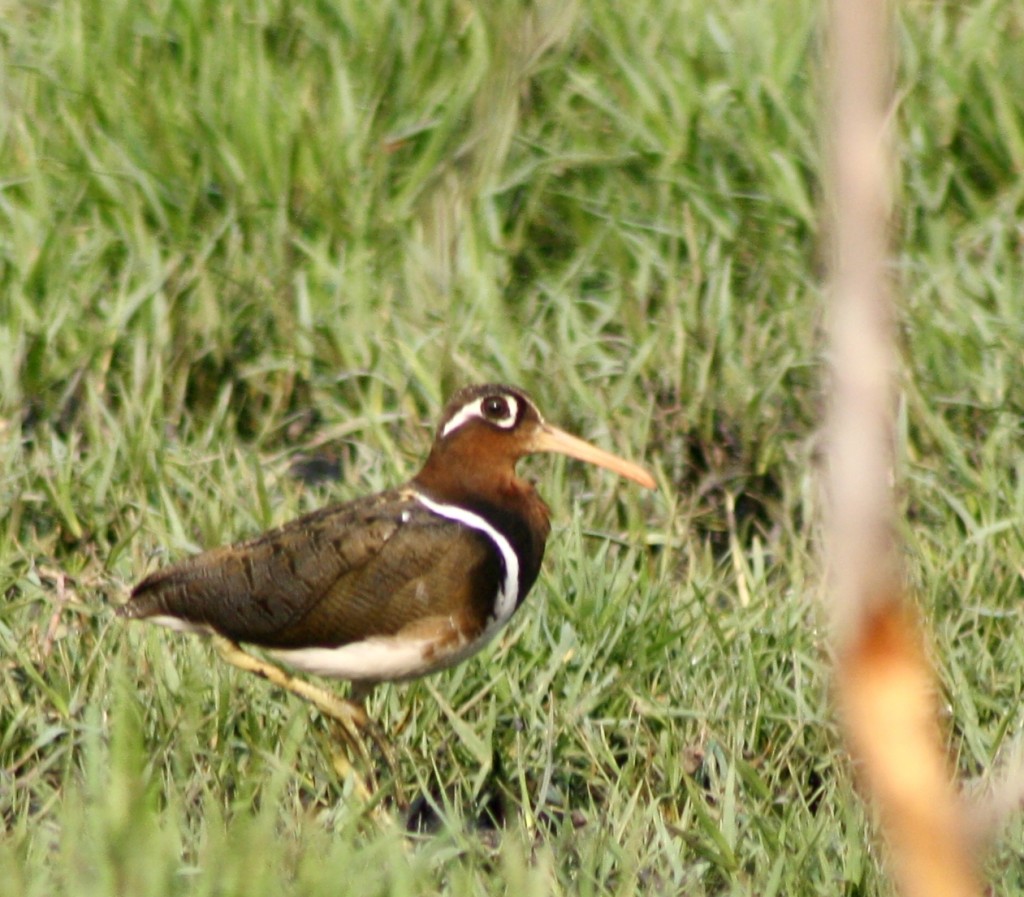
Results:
[237, 235]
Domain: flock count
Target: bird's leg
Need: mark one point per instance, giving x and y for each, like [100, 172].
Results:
[359, 693]
[350, 715]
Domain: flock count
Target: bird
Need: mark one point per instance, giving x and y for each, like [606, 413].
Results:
[391, 586]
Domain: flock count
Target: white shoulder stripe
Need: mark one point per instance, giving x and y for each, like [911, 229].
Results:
[505, 603]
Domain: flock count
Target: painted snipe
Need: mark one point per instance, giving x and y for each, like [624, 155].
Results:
[394, 585]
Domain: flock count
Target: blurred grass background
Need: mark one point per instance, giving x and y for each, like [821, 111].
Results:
[243, 243]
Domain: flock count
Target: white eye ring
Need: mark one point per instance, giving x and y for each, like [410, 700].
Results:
[476, 409]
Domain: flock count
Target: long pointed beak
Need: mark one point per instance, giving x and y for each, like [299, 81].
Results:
[551, 439]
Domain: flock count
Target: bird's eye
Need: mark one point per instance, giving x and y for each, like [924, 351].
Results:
[496, 408]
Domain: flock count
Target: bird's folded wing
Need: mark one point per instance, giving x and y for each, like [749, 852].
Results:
[341, 574]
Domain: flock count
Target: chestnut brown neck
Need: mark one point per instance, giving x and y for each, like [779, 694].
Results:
[486, 484]
[472, 472]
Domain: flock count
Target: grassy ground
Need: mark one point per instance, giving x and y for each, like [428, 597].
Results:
[239, 235]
